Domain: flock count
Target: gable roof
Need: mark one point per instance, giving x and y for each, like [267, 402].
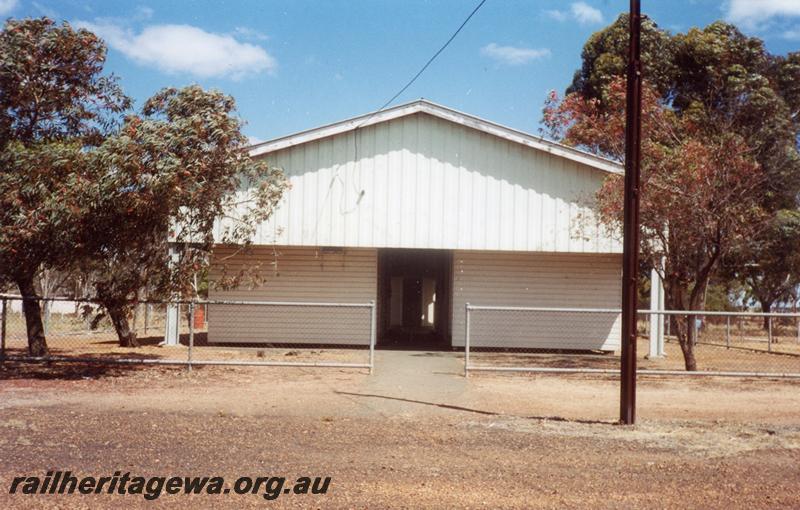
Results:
[442, 112]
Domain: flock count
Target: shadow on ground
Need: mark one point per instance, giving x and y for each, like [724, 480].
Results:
[472, 410]
[71, 371]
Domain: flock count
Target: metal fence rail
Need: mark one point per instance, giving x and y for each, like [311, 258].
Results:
[586, 340]
[197, 333]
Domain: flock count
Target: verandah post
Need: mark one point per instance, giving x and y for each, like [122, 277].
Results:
[466, 340]
[372, 334]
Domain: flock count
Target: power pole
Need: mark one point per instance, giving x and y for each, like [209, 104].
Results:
[630, 249]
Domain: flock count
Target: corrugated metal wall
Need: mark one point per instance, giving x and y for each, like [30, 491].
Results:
[537, 280]
[294, 274]
[422, 182]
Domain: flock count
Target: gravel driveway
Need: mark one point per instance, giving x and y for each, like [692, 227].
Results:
[414, 435]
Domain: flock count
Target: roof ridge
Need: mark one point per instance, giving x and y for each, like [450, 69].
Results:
[423, 105]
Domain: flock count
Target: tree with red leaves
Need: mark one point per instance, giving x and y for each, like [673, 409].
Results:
[701, 189]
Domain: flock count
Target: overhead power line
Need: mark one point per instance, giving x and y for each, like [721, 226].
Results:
[360, 193]
[430, 60]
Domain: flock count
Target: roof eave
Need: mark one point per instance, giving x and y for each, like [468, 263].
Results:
[441, 112]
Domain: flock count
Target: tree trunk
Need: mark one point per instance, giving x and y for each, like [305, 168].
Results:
[687, 337]
[683, 326]
[766, 307]
[37, 343]
[119, 318]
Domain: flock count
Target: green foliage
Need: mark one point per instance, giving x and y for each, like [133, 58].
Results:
[719, 79]
[720, 298]
[605, 57]
[727, 81]
[169, 176]
[52, 84]
[768, 263]
[720, 131]
[54, 102]
[84, 187]
[40, 204]
[786, 71]
[712, 83]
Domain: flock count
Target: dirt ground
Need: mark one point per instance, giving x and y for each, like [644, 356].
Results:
[414, 435]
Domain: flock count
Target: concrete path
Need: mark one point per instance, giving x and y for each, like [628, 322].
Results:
[406, 382]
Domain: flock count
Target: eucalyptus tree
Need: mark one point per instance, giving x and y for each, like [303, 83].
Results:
[176, 179]
[55, 103]
[720, 153]
[701, 194]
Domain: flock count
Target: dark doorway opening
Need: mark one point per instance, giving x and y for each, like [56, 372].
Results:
[414, 288]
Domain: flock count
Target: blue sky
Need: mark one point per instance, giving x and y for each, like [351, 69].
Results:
[294, 65]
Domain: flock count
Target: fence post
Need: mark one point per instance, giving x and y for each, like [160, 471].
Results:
[728, 331]
[372, 334]
[656, 335]
[466, 340]
[46, 313]
[135, 318]
[741, 329]
[769, 334]
[3, 317]
[191, 333]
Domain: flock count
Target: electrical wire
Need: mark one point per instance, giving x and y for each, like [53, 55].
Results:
[428, 63]
[336, 176]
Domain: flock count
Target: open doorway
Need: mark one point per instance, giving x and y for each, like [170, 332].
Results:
[414, 298]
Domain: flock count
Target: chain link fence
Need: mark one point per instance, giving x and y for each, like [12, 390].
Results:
[727, 343]
[191, 333]
[519, 339]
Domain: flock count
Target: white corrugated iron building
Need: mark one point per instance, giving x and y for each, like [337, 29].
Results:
[424, 209]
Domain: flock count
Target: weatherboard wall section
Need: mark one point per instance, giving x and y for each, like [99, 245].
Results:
[293, 274]
[548, 280]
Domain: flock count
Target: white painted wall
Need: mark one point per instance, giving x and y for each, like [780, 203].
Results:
[548, 280]
[295, 274]
[423, 182]
[304, 274]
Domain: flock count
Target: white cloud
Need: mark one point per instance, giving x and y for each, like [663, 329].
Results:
[585, 14]
[752, 13]
[556, 14]
[249, 33]
[581, 12]
[6, 6]
[512, 55]
[144, 12]
[185, 49]
[793, 34]
[253, 140]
